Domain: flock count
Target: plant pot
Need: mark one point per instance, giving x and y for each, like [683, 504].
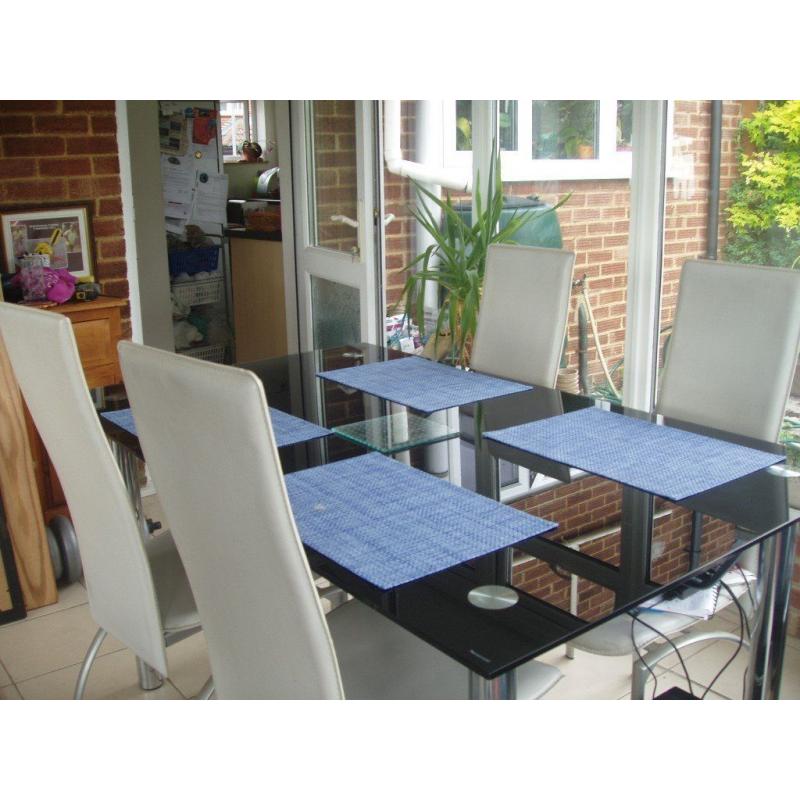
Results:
[585, 151]
[567, 380]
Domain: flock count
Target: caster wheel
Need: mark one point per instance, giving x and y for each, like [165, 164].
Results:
[67, 542]
[55, 554]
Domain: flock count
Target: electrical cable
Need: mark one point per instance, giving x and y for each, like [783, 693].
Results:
[669, 642]
[639, 655]
[741, 638]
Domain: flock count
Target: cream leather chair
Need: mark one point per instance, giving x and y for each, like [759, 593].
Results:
[138, 591]
[206, 434]
[523, 313]
[729, 366]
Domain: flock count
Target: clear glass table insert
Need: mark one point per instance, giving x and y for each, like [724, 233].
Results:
[395, 432]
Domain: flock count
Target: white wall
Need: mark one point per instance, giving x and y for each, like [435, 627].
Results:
[143, 216]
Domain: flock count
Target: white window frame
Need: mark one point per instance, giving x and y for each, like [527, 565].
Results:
[518, 165]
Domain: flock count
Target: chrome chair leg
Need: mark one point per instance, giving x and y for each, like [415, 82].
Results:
[207, 691]
[91, 654]
[149, 679]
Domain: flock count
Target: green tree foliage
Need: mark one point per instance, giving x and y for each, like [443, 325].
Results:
[764, 202]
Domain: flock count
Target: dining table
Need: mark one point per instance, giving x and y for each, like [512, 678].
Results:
[615, 546]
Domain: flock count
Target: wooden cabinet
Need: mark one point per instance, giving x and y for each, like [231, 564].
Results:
[97, 325]
[259, 302]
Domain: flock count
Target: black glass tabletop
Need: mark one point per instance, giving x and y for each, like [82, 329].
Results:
[615, 546]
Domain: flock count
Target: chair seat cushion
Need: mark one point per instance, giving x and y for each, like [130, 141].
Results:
[175, 600]
[379, 660]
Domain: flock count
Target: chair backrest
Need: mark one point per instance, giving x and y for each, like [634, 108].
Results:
[207, 437]
[41, 347]
[523, 313]
[734, 343]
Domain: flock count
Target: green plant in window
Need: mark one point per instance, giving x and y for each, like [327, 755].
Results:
[764, 202]
[456, 261]
[577, 126]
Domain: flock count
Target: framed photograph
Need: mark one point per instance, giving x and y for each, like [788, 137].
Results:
[63, 233]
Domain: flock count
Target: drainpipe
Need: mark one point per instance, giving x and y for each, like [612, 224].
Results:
[457, 179]
[428, 139]
[712, 225]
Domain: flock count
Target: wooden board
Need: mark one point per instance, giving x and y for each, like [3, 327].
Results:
[259, 312]
[20, 496]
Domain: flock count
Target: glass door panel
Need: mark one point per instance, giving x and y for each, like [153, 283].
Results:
[338, 274]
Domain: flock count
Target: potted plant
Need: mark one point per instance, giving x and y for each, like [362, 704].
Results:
[456, 261]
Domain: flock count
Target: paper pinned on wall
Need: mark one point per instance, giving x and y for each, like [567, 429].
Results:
[174, 134]
[211, 198]
[178, 210]
[177, 226]
[178, 178]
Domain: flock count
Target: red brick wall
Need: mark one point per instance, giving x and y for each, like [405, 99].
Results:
[593, 504]
[65, 151]
[335, 172]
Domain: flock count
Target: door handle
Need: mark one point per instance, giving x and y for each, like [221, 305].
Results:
[353, 223]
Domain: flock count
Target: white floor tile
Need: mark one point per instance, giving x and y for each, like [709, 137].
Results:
[704, 665]
[5, 678]
[669, 679]
[113, 677]
[717, 623]
[50, 642]
[10, 693]
[68, 597]
[188, 664]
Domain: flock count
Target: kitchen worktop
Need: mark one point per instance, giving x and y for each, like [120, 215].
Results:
[240, 232]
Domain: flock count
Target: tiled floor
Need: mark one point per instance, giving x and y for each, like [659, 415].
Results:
[40, 657]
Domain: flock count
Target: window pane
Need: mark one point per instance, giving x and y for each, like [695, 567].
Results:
[564, 128]
[231, 115]
[507, 114]
[756, 224]
[463, 124]
[624, 124]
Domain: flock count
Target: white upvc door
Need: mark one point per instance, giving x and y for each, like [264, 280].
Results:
[339, 286]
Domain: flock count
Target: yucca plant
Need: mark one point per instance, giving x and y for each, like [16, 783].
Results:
[456, 261]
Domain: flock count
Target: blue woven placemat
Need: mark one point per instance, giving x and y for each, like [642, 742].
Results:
[391, 524]
[665, 461]
[423, 385]
[287, 428]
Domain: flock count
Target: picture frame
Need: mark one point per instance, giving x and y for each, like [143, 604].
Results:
[63, 232]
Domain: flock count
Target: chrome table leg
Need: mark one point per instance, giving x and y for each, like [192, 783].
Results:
[769, 633]
[502, 688]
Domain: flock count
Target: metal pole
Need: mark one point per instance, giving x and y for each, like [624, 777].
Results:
[769, 633]
[501, 688]
[712, 225]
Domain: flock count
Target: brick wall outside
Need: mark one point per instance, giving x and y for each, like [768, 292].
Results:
[335, 172]
[65, 151]
[593, 505]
